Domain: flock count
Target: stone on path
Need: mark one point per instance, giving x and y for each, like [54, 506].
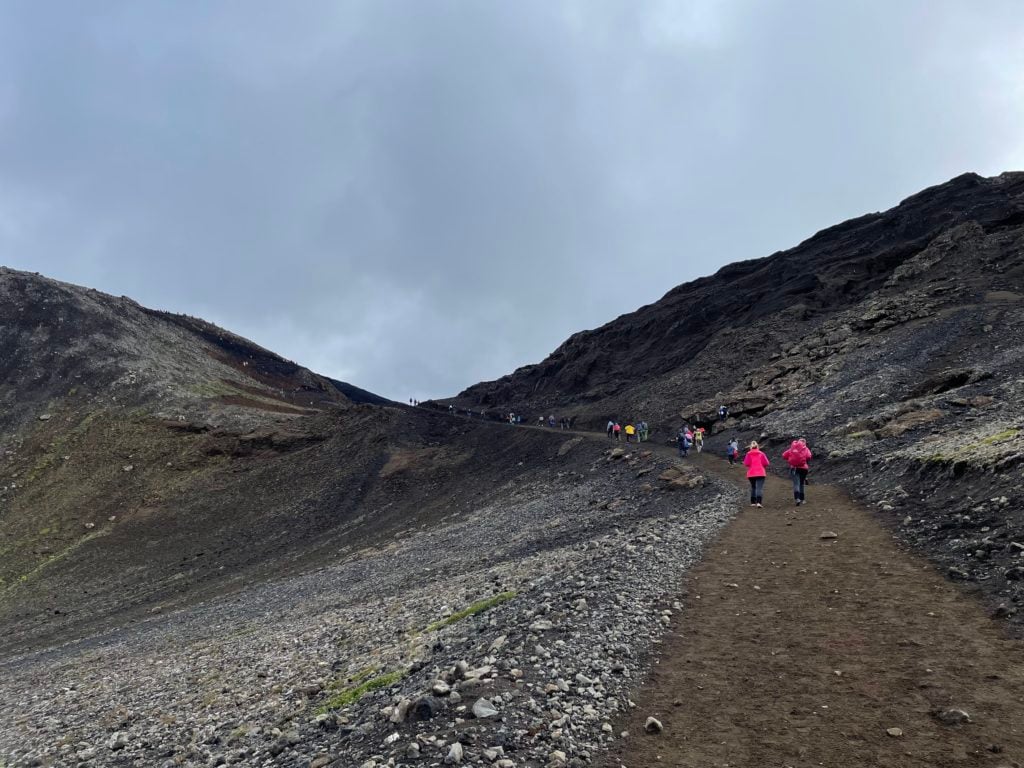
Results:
[953, 716]
[653, 725]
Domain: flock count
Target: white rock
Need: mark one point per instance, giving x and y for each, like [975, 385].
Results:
[454, 756]
[483, 709]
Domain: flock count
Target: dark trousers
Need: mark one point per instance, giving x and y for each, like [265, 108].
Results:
[799, 482]
[756, 489]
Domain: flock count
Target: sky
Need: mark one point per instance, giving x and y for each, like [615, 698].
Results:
[415, 196]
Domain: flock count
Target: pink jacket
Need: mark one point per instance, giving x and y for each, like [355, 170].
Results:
[756, 463]
[797, 455]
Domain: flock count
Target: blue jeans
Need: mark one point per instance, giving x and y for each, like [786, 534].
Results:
[756, 489]
[799, 482]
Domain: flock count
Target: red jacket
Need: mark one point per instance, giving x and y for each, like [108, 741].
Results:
[756, 463]
[797, 455]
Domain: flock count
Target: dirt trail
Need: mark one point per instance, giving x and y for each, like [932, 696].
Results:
[794, 650]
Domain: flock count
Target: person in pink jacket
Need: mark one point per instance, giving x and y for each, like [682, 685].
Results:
[757, 467]
[797, 456]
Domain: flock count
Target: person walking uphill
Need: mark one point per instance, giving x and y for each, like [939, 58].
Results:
[684, 441]
[797, 456]
[757, 467]
[732, 452]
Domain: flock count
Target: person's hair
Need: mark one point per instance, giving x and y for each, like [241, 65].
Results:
[753, 445]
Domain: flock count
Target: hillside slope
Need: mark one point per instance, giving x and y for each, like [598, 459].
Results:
[893, 341]
[133, 442]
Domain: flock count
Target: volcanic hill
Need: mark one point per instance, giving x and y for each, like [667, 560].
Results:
[210, 555]
[893, 342]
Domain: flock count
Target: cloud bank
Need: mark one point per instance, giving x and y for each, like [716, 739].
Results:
[417, 196]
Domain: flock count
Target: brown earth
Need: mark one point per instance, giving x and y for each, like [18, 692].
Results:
[794, 650]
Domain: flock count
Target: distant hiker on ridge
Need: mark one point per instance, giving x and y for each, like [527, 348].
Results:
[757, 467]
[617, 429]
[610, 429]
[698, 439]
[723, 412]
[630, 431]
[797, 455]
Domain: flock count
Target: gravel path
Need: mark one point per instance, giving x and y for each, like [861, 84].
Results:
[802, 649]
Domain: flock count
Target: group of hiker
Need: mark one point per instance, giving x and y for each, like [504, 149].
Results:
[639, 432]
[797, 456]
[688, 439]
[564, 423]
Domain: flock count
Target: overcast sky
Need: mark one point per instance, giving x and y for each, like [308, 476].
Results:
[415, 196]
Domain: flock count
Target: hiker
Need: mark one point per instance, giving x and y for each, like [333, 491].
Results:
[610, 429]
[723, 412]
[617, 429]
[797, 455]
[685, 440]
[698, 439]
[630, 431]
[540, 421]
[757, 466]
[643, 431]
[732, 451]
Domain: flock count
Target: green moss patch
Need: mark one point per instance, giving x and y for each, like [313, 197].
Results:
[353, 693]
[999, 437]
[475, 608]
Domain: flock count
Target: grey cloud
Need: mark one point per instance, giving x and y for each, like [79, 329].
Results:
[415, 196]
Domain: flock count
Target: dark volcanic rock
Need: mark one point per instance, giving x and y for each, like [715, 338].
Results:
[893, 342]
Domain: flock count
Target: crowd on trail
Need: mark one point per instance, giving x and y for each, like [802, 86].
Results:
[797, 456]
[639, 432]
